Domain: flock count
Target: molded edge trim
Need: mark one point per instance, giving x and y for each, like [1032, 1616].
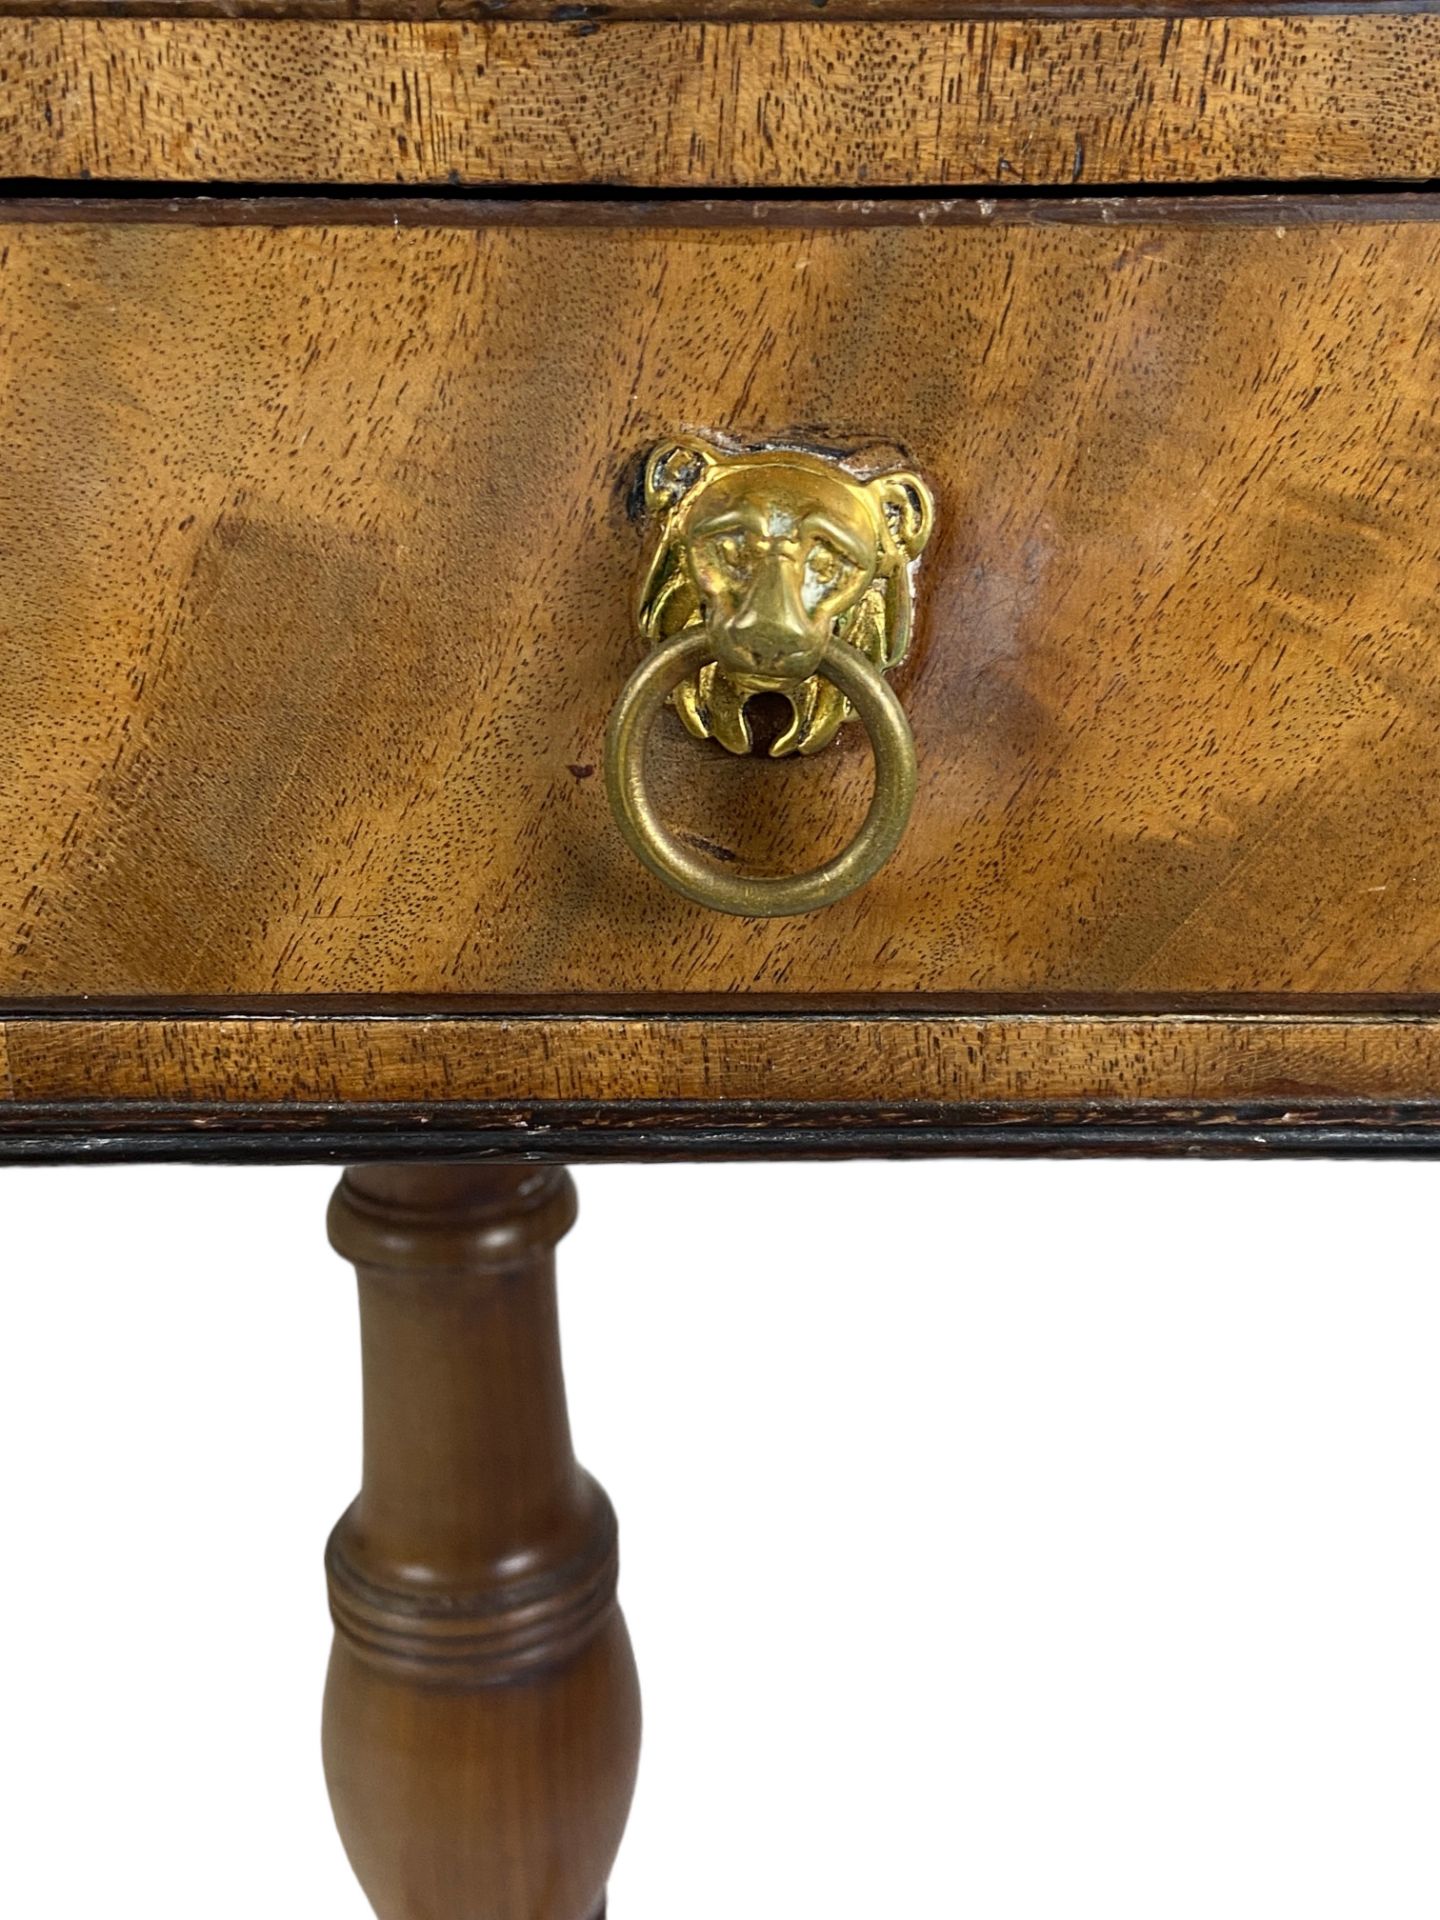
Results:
[574, 1086]
[298, 1135]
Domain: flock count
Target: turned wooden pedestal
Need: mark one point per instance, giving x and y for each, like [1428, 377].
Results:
[482, 1716]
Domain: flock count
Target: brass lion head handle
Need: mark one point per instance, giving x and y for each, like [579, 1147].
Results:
[772, 572]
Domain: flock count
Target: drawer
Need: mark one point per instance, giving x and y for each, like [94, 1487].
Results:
[321, 545]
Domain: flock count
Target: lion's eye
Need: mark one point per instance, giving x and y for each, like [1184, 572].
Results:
[732, 552]
[824, 569]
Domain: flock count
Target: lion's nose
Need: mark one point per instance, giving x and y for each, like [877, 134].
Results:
[766, 617]
[772, 615]
[766, 662]
[768, 642]
[764, 638]
[762, 643]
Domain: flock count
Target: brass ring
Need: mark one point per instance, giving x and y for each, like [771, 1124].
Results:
[652, 842]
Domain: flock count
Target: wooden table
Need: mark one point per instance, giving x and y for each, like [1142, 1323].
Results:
[397, 410]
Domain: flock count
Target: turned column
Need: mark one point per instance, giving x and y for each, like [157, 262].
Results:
[482, 1716]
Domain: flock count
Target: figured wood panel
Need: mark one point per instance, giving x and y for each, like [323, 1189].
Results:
[318, 567]
[700, 105]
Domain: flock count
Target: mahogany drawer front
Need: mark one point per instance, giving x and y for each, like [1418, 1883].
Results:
[320, 569]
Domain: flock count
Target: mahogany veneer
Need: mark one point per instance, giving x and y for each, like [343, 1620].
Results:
[319, 543]
[686, 105]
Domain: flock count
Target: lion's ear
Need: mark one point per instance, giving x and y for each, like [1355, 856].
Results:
[673, 470]
[908, 507]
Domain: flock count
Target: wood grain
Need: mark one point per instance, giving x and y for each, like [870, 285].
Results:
[482, 1717]
[820, 1060]
[318, 570]
[571, 12]
[699, 105]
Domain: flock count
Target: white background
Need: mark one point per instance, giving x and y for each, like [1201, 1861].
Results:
[1005, 1541]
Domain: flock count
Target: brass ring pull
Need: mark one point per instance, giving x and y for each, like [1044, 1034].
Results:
[775, 571]
[651, 841]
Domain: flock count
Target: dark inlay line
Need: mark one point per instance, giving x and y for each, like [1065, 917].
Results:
[1246, 203]
[911, 1008]
[111, 1134]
